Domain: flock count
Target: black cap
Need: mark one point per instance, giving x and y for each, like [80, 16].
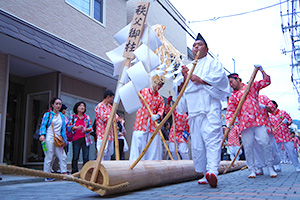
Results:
[199, 37]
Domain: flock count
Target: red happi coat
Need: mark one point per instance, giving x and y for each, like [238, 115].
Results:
[264, 115]
[249, 113]
[156, 104]
[233, 137]
[296, 141]
[181, 124]
[281, 134]
[102, 115]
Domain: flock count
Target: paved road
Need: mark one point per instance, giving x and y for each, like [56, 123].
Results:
[234, 185]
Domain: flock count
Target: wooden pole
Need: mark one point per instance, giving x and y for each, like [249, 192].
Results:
[132, 42]
[117, 151]
[278, 126]
[169, 113]
[160, 133]
[240, 104]
[233, 159]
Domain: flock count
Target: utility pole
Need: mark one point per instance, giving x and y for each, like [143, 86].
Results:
[233, 65]
[290, 14]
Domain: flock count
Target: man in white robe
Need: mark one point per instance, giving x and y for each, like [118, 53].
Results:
[202, 100]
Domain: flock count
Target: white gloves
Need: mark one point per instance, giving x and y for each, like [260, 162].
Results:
[284, 121]
[262, 106]
[155, 117]
[259, 67]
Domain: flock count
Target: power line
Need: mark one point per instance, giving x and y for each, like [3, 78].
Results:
[233, 15]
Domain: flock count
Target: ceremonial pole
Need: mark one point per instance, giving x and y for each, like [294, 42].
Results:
[169, 113]
[132, 43]
[233, 159]
[278, 126]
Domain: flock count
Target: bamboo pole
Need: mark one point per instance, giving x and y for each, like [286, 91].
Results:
[240, 104]
[231, 164]
[169, 113]
[117, 151]
[278, 126]
[160, 133]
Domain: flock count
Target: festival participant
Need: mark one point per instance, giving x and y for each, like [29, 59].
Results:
[249, 121]
[102, 111]
[283, 136]
[144, 124]
[123, 146]
[295, 141]
[233, 143]
[206, 88]
[266, 107]
[181, 125]
[54, 123]
[165, 131]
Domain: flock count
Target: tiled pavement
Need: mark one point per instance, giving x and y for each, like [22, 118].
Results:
[234, 185]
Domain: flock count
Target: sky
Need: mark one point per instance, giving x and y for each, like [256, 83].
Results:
[254, 38]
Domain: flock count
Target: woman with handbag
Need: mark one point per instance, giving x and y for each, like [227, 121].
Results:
[53, 132]
[80, 126]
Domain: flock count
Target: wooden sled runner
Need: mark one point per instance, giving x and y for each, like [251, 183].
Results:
[146, 174]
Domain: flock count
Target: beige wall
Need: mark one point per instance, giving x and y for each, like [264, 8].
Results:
[79, 88]
[66, 22]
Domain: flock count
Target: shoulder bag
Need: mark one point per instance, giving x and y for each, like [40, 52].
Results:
[58, 141]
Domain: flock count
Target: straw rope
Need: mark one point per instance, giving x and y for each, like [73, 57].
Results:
[8, 169]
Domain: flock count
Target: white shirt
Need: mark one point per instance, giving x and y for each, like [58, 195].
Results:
[57, 124]
[197, 98]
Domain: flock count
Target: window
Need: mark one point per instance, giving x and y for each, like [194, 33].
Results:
[93, 8]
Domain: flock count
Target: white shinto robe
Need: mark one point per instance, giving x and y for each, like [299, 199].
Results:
[203, 104]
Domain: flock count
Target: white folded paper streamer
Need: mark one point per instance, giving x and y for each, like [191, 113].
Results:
[129, 98]
[138, 76]
[149, 59]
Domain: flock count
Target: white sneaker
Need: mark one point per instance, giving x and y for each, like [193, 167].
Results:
[252, 175]
[202, 181]
[277, 168]
[259, 171]
[272, 172]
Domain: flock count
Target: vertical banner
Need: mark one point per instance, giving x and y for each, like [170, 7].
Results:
[136, 29]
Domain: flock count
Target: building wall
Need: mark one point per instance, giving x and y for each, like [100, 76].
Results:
[66, 22]
[74, 86]
[4, 70]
